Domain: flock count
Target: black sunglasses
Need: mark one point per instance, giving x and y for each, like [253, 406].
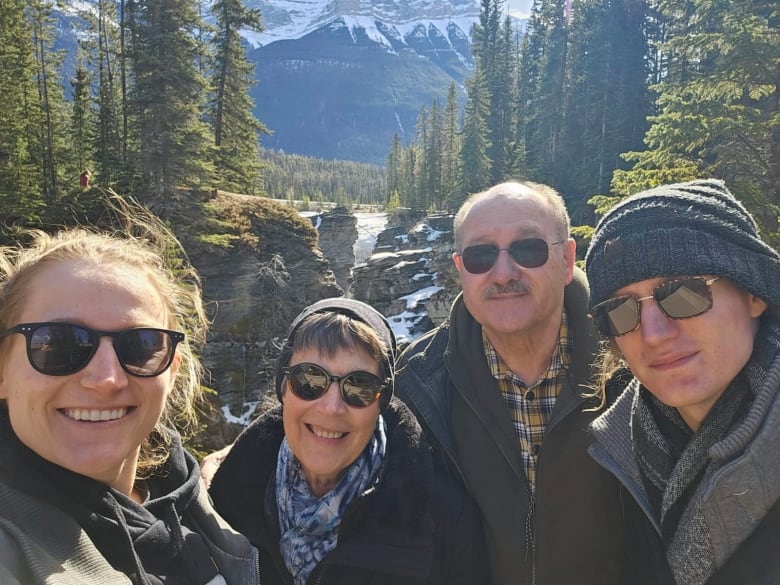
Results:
[681, 298]
[61, 349]
[529, 253]
[310, 381]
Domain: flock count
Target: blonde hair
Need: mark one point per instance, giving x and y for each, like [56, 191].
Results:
[612, 374]
[143, 244]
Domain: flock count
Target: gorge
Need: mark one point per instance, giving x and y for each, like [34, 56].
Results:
[262, 262]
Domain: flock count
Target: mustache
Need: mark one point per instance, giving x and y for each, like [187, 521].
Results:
[513, 287]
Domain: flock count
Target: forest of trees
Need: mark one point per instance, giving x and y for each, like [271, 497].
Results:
[159, 101]
[603, 98]
[297, 177]
[598, 98]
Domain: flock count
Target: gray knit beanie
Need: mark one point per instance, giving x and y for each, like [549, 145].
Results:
[692, 228]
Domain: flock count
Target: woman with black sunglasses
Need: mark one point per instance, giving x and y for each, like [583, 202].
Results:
[337, 484]
[687, 295]
[95, 369]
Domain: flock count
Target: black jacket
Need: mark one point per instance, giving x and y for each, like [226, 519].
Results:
[57, 526]
[571, 532]
[417, 527]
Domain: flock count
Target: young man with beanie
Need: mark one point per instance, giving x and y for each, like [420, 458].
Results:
[687, 294]
[501, 387]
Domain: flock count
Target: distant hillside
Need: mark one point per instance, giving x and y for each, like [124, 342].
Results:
[296, 177]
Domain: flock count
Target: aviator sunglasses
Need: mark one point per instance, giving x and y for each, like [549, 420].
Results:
[528, 253]
[310, 381]
[681, 298]
[61, 349]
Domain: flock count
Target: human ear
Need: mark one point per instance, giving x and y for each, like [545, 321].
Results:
[757, 306]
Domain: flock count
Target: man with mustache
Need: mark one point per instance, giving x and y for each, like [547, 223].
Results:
[501, 386]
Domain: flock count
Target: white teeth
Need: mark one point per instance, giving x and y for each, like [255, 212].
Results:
[326, 434]
[94, 414]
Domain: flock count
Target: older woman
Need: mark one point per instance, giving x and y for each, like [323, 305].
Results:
[337, 485]
[687, 294]
[95, 487]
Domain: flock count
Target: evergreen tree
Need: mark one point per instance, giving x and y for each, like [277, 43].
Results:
[235, 127]
[450, 149]
[423, 174]
[494, 52]
[395, 169]
[546, 111]
[474, 172]
[110, 138]
[411, 177]
[433, 157]
[20, 194]
[607, 101]
[527, 76]
[48, 114]
[81, 124]
[717, 103]
[174, 142]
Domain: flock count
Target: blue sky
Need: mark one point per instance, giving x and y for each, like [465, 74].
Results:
[519, 8]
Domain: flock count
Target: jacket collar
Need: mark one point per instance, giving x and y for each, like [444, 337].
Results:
[389, 529]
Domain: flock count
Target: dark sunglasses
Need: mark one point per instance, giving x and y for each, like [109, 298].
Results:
[681, 298]
[529, 253]
[310, 381]
[61, 349]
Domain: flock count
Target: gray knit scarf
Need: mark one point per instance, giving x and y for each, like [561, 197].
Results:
[675, 462]
[310, 524]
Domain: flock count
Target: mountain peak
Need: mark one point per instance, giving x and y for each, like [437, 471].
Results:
[293, 19]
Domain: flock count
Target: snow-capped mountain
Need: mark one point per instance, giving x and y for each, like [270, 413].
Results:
[337, 78]
[292, 19]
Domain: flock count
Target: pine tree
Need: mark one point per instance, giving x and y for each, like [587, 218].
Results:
[607, 101]
[433, 157]
[20, 193]
[235, 127]
[174, 142]
[48, 114]
[494, 52]
[395, 170]
[81, 124]
[545, 113]
[450, 146]
[422, 171]
[103, 46]
[474, 172]
[717, 103]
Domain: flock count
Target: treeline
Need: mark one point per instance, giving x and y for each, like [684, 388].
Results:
[159, 101]
[605, 98]
[297, 177]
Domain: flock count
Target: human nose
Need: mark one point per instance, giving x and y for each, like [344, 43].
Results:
[104, 372]
[331, 401]
[655, 326]
[505, 267]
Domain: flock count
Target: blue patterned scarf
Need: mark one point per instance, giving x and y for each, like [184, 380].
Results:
[310, 524]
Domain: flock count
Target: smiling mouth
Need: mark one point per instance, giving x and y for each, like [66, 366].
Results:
[94, 415]
[323, 434]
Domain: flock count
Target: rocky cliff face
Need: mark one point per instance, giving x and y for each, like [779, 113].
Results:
[337, 235]
[262, 262]
[260, 266]
[410, 278]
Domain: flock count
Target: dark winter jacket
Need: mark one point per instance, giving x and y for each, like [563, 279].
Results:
[741, 500]
[570, 532]
[417, 527]
[61, 528]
